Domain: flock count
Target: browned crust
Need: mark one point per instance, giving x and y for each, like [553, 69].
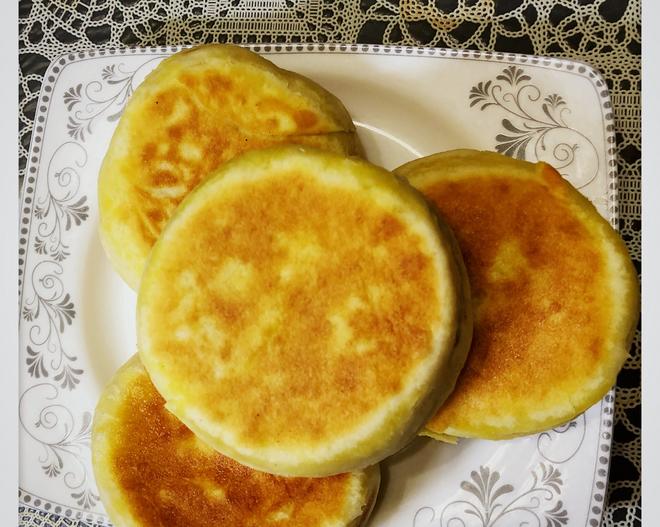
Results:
[555, 295]
[196, 110]
[152, 471]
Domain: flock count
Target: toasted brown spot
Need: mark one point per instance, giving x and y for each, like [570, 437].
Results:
[148, 152]
[386, 228]
[169, 477]
[155, 216]
[305, 119]
[164, 178]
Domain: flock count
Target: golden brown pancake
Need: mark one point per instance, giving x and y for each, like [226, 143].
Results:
[196, 110]
[152, 471]
[555, 296]
[301, 310]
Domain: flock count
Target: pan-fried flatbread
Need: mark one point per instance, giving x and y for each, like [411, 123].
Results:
[301, 311]
[196, 110]
[152, 471]
[554, 293]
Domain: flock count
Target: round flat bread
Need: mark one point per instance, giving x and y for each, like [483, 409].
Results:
[152, 471]
[301, 311]
[555, 295]
[196, 110]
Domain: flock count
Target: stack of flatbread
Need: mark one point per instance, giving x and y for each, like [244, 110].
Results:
[304, 314]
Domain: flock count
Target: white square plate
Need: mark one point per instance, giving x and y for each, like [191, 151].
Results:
[77, 317]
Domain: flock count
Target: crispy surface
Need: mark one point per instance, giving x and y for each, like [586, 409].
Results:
[313, 295]
[553, 291]
[195, 111]
[153, 471]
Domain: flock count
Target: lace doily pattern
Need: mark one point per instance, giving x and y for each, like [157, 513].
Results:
[603, 33]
